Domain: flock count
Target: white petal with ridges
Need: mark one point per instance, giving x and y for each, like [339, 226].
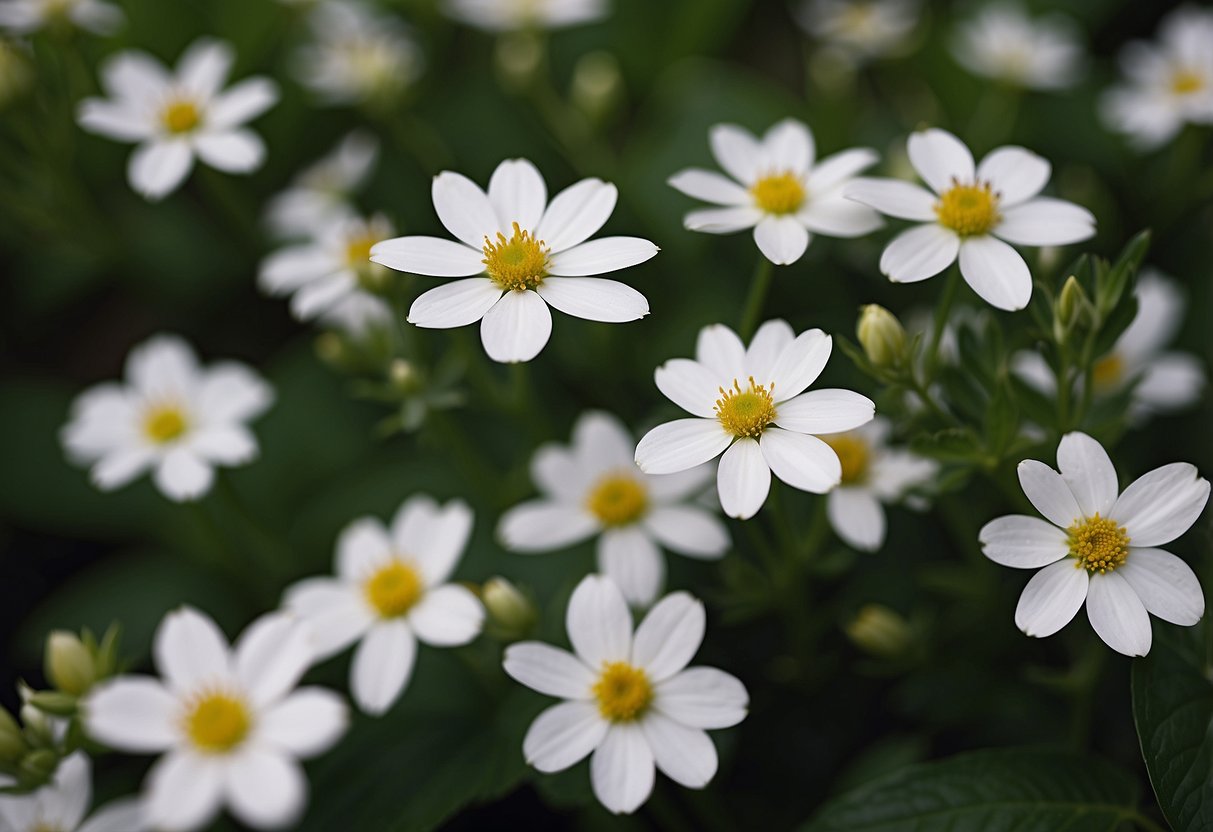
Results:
[1023, 542]
[563, 736]
[669, 636]
[606, 254]
[800, 363]
[743, 479]
[518, 194]
[594, 299]
[893, 198]
[549, 670]
[1162, 504]
[516, 328]
[782, 240]
[458, 303]
[940, 157]
[681, 444]
[689, 385]
[464, 209]
[1165, 584]
[996, 272]
[429, 255]
[1014, 173]
[1046, 222]
[800, 460]
[710, 187]
[576, 213]
[1048, 492]
[1088, 471]
[919, 253]
[598, 622]
[1051, 599]
[825, 411]
[1117, 615]
[630, 558]
[622, 769]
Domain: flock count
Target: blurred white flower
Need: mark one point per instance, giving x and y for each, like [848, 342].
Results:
[319, 196]
[357, 314]
[1098, 546]
[1002, 42]
[527, 254]
[358, 54]
[631, 700]
[860, 29]
[972, 214]
[593, 487]
[61, 805]
[1169, 83]
[782, 194]
[872, 474]
[1165, 381]
[171, 416]
[177, 117]
[229, 722]
[750, 405]
[390, 591]
[23, 17]
[513, 15]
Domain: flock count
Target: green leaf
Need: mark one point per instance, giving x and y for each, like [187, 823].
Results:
[1173, 709]
[951, 445]
[985, 790]
[1114, 281]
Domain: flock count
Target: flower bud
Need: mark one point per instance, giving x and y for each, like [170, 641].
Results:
[881, 335]
[519, 57]
[597, 84]
[511, 613]
[403, 375]
[880, 631]
[69, 665]
[12, 741]
[37, 766]
[1073, 307]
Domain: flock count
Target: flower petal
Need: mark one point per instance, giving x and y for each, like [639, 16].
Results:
[688, 530]
[594, 299]
[271, 655]
[622, 769]
[242, 102]
[789, 146]
[447, 616]
[857, 517]
[265, 789]
[363, 547]
[205, 66]
[719, 349]
[1049, 493]
[117, 468]
[1023, 542]
[184, 790]
[157, 167]
[334, 613]
[835, 169]
[1165, 584]
[1046, 222]
[737, 151]
[782, 240]
[191, 651]
[518, 194]
[603, 444]
[669, 636]
[825, 411]
[606, 254]
[836, 216]
[576, 213]
[429, 255]
[893, 197]
[134, 76]
[996, 272]
[182, 476]
[132, 713]
[549, 670]
[681, 444]
[224, 444]
[1051, 599]
[233, 392]
[765, 347]
[458, 303]
[690, 385]
[940, 157]
[563, 736]
[1162, 504]
[464, 209]
[723, 220]
[630, 558]
[382, 665]
[685, 755]
[800, 363]
[598, 622]
[1014, 173]
[703, 697]
[305, 724]
[743, 479]
[516, 328]
[541, 526]
[710, 187]
[113, 120]
[800, 460]
[433, 536]
[919, 253]
[1118, 615]
[1089, 473]
[232, 151]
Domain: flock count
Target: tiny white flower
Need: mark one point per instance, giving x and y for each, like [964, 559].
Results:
[171, 416]
[777, 189]
[861, 29]
[1002, 42]
[23, 17]
[229, 722]
[514, 15]
[872, 474]
[750, 405]
[61, 805]
[391, 590]
[972, 215]
[319, 196]
[1164, 381]
[1098, 546]
[593, 488]
[529, 254]
[1169, 83]
[358, 314]
[631, 700]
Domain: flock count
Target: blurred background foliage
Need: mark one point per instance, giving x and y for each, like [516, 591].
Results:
[91, 269]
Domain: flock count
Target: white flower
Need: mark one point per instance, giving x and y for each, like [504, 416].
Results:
[872, 473]
[748, 405]
[23, 17]
[862, 29]
[513, 15]
[171, 415]
[391, 589]
[1099, 547]
[61, 805]
[1169, 83]
[970, 214]
[358, 314]
[1164, 381]
[1004, 43]
[595, 488]
[358, 54]
[631, 699]
[782, 194]
[528, 254]
[229, 722]
[319, 196]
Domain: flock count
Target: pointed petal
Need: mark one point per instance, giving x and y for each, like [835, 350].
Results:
[1023, 542]
[594, 299]
[1046, 222]
[549, 670]
[669, 636]
[576, 213]
[464, 209]
[1049, 493]
[681, 444]
[429, 255]
[737, 151]
[606, 254]
[598, 622]
[836, 169]
[710, 187]
[458, 303]
[825, 411]
[1165, 584]
[919, 253]
[563, 736]
[1089, 473]
[800, 363]
[743, 479]
[1051, 599]
[723, 220]
[242, 102]
[800, 460]
[1162, 504]
[518, 194]
[1117, 615]
[940, 157]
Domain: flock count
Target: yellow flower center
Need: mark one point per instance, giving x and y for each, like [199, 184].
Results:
[618, 500]
[781, 193]
[1108, 371]
[217, 722]
[623, 692]
[180, 116]
[1185, 82]
[164, 423]
[44, 826]
[1097, 544]
[746, 412]
[521, 262]
[969, 210]
[394, 589]
[854, 454]
[358, 249]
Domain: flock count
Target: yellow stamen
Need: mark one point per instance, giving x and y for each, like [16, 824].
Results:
[1185, 82]
[180, 116]
[746, 412]
[1108, 371]
[394, 589]
[521, 262]
[1098, 544]
[618, 500]
[217, 722]
[969, 210]
[358, 249]
[854, 454]
[781, 193]
[623, 692]
[164, 423]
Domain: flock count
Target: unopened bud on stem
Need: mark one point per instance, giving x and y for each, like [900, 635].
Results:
[881, 335]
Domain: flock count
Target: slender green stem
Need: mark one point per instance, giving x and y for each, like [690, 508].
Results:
[941, 321]
[760, 284]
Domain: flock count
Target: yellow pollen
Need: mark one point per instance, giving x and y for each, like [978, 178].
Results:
[394, 589]
[180, 116]
[969, 210]
[746, 412]
[164, 423]
[358, 250]
[853, 453]
[217, 722]
[618, 500]
[623, 692]
[521, 262]
[1185, 82]
[781, 193]
[1108, 371]
[1097, 544]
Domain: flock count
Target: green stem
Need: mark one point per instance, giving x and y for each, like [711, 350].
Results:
[941, 321]
[760, 283]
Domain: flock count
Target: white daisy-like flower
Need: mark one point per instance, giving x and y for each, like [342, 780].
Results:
[528, 254]
[175, 117]
[631, 700]
[24, 17]
[777, 189]
[62, 805]
[750, 405]
[1169, 83]
[1002, 42]
[358, 54]
[1099, 546]
[391, 590]
[319, 196]
[515, 15]
[974, 212]
[593, 487]
[172, 416]
[861, 29]
[1164, 380]
[327, 269]
[357, 314]
[229, 722]
[872, 474]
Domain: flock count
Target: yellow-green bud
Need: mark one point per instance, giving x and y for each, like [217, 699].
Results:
[511, 613]
[880, 631]
[12, 741]
[1073, 306]
[881, 335]
[403, 375]
[69, 665]
[519, 57]
[597, 84]
[37, 766]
